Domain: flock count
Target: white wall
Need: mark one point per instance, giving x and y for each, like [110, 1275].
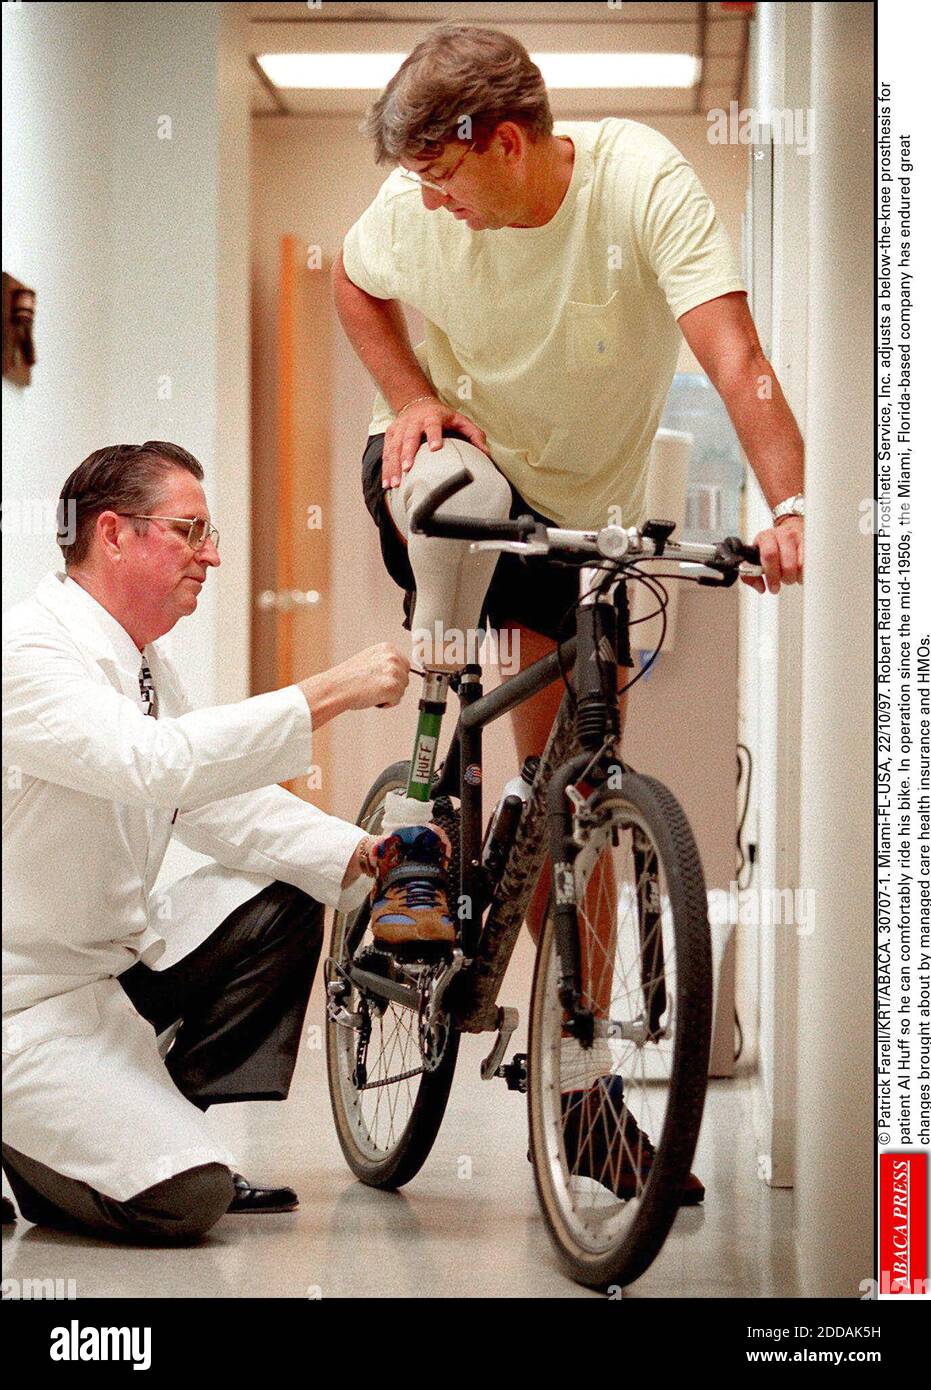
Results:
[137, 249]
[57, 239]
[771, 634]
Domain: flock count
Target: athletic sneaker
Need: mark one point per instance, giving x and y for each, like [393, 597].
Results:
[409, 898]
[603, 1141]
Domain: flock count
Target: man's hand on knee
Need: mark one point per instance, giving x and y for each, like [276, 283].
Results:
[404, 435]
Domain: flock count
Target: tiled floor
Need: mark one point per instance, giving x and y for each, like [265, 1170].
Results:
[445, 1234]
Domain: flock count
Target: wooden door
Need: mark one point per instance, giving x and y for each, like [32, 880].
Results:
[292, 415]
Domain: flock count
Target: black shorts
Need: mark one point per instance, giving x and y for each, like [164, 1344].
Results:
[536, 593]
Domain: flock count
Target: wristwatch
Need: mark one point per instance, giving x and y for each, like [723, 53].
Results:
[792, 506]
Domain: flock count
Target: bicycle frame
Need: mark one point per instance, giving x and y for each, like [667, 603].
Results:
[576, 748]
[473, 1002]
[545, 823]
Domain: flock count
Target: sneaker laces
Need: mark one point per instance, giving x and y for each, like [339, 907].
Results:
[421, 892]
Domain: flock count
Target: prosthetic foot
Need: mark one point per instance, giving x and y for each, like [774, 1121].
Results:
[410, 910]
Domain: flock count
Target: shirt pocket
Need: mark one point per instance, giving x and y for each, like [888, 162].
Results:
[69, 1015]
[591, 338]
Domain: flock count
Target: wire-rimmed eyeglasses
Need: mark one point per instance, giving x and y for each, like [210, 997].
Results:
[439, 182]
[197, 530]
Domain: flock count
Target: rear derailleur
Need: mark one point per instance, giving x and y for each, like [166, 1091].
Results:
[424, 983]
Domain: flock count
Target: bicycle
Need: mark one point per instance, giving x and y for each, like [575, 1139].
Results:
[622, 983]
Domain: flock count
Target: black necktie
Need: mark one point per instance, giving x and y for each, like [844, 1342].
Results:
[148, 692]
[150, 700]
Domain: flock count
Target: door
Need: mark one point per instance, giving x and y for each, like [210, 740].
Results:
[292, 424]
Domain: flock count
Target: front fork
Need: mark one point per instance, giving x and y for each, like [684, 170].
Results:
[598, 728]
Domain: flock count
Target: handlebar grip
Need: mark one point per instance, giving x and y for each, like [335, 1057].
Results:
[435, 499]
[424, 522]
[733, 546]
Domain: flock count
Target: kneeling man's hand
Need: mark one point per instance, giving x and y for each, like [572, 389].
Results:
[364, 858]
[376, 676]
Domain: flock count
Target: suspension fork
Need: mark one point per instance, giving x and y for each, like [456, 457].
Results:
[597, 724]
[598, 717]
[580, 1021]
[649, 924]
[471, 885]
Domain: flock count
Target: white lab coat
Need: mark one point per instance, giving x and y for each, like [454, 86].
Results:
[90, 788]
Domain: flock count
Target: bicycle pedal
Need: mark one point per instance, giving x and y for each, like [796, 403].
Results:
[514, 1073]
[376, 960]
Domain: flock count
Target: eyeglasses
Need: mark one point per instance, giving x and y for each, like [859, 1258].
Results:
[439, 182]
[195, 530]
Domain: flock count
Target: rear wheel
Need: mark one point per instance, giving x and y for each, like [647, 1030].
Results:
[609, 1199]
[386, 1105]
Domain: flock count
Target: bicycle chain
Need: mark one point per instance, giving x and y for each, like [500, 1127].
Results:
[392, 1080]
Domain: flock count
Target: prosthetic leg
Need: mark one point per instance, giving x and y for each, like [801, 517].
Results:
[410, 910]
[410, 903]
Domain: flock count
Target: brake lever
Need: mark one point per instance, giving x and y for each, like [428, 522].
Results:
[513, 547]
[539, 545]
[728, 577]
[730, 554]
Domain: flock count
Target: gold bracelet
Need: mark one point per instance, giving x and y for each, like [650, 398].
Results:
[414, 402]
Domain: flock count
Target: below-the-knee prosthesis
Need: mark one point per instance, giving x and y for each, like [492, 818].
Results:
[451, 581]
[410, 905]
[415, 807]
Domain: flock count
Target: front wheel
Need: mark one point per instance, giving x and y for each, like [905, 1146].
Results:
[386, 1106]
[608, 1195]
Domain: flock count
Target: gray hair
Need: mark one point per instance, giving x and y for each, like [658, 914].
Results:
[460, 82]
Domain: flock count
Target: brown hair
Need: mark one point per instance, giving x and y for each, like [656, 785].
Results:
[120, 478]
[458, 71]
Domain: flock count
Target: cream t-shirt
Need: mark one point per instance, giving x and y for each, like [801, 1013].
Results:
[559, 341]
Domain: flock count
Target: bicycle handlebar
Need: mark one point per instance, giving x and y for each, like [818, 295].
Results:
[424, 522]
[525, 535]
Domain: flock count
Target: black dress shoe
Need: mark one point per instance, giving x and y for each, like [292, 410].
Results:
[249, 1198]
[8, 1210]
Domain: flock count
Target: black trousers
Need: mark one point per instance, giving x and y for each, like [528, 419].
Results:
[241, 997]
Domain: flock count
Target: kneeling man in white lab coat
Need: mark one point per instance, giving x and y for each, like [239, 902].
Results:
[104, 760]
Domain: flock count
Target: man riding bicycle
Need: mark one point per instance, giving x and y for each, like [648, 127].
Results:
[554, 265]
